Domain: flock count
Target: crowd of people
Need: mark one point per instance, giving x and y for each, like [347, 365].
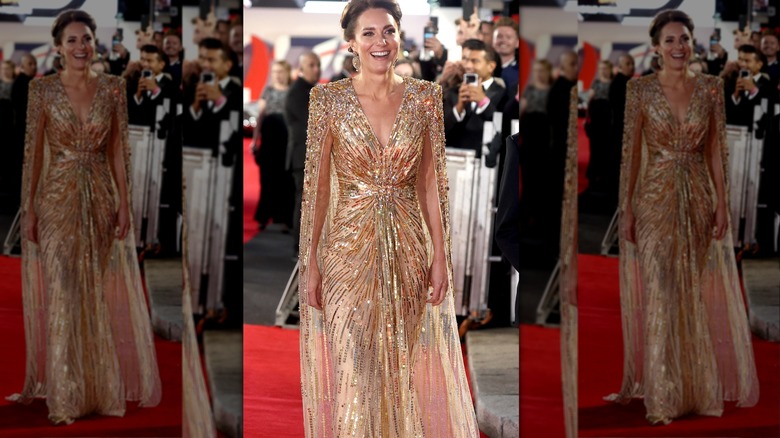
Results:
[489, 59]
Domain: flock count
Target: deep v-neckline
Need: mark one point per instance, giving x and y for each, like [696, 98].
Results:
[368, 121]
[73, 107]
[672, 114]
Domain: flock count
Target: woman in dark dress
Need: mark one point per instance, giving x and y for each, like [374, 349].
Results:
[269, 147]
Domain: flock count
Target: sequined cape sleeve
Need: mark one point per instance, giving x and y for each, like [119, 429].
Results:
[733, 346]
[139, 362]
[631, 298]
[33, 297]
[312, 337]
[568, 284]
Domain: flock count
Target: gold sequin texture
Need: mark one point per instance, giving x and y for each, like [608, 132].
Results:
[686, 338]
[88, 335]
[378, 361]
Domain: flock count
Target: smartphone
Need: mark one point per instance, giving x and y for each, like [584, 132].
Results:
[716, 34]
[429, 32]
[146, 74]
[204, 8]
[744, 73]
[207, 77]
[468, 8]
[471, 78]
[435, 23]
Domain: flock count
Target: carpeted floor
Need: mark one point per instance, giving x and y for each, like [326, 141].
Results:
[272, 388]
[31, 421]
[601, 371]
[251, 191]
[541, 394]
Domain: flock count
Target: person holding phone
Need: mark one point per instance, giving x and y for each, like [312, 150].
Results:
[152, 87]
[749, 87]
[214, 96]
[469, 106]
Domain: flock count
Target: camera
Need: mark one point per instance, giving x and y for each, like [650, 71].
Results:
[744, 73]
[146, 74]
[471, 78]
[207, 77]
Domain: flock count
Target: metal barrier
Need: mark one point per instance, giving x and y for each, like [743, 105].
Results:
[207, 192]
[147, 156]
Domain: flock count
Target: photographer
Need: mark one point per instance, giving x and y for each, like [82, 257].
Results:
[746, 89]
[469, 106]
[151, 88]
[213, 97]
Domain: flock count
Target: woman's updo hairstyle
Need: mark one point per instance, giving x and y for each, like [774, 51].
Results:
[665, 17]
[67, 17]
[355, 9]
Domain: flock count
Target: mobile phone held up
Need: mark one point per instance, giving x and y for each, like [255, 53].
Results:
[471, 79]
[207, 77]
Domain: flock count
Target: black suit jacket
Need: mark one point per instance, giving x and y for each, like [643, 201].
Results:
[467, 134]
[145, 112]
[204, 131]
[617, 98]
[508, 213]
[742, 113]
[296, 112]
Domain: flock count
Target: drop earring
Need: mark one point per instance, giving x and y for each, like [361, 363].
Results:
[356, 63]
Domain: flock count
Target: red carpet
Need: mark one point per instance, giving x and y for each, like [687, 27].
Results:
[272, 385]
[251, 191]
[31, 421]
[541, 395]
[601, 372]
[583, 155]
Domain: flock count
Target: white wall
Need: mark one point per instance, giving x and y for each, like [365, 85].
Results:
[536, 23]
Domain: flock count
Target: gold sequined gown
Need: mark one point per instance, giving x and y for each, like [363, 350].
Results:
[686, 338]
[88, 336]
[379, 361]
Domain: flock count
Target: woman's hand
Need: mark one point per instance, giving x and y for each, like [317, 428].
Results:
[30, 226]
[437, 279]
[314, 298]
[122, 221]
[721, 221]
[628, 226]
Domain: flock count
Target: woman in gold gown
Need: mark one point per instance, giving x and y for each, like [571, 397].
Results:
[378, 356]
[89, 340]
[686, 338]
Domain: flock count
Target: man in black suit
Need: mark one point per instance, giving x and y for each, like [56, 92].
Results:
[508, 212]
[747, 91]
[469, 106]
[19, 89]
[215, 97]
[617, 99]
[296, 112]
[558, 101]
[151, 89]
[175, 53]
